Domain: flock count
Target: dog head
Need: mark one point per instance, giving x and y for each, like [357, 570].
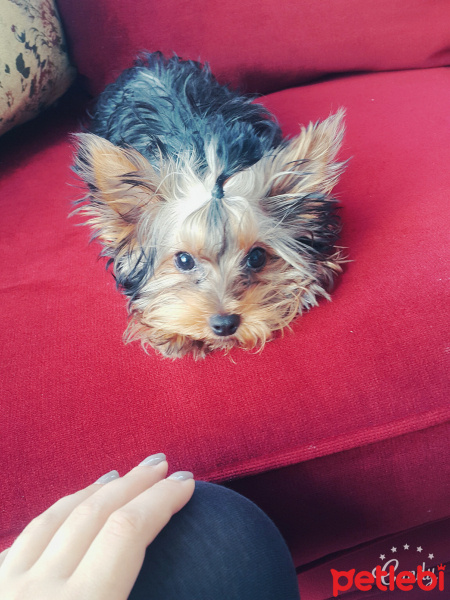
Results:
[211, 263]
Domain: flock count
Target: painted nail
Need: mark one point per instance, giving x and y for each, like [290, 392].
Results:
[108, 477]
[181, 475]
[152, 460]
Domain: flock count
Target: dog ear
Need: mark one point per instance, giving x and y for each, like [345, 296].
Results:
[306, 164]
[295, 181]
[121, 184]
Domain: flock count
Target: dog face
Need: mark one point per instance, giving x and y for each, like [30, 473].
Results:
[208, 267]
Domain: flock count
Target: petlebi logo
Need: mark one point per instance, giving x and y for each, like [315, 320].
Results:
[388, 573]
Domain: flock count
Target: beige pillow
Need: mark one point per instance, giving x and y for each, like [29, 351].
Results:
[34, 66]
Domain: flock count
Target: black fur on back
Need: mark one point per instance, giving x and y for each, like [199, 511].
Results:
[166, 105]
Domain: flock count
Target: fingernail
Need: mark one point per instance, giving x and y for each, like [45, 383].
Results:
[108, 477]
[152, 460]
[181, 475]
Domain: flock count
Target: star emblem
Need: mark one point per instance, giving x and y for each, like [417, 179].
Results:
[395, 550]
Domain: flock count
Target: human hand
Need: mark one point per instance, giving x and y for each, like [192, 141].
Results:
[91, 544]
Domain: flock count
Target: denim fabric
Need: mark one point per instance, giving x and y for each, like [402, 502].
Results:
[220, 546]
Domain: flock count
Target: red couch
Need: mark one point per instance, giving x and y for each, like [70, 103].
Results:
[340, 429]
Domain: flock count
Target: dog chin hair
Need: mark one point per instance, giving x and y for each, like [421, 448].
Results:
[217, 229]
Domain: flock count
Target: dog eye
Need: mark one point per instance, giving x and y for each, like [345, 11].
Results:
[184, 261]
[256, 259]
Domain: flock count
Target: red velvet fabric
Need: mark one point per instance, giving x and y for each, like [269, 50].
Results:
[259, 45]
[362, 370]
[347, 499]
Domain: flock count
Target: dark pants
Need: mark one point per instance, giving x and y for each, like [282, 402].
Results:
[220, 546]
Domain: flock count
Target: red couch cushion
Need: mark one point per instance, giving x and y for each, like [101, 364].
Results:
[347, 499]
[259, 45]
[369, 366]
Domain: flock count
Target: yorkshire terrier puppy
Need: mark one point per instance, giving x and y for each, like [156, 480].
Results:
[219, 231]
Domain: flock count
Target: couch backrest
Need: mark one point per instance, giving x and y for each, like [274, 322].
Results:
[259, 45]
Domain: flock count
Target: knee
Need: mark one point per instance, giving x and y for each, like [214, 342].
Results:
[227, 515]
[219, 541]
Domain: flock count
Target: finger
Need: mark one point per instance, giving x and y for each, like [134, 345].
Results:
[117, 553]
[73, 538]
[3, 555]
[33, 540]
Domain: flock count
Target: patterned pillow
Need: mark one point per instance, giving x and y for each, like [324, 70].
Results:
[34, 66]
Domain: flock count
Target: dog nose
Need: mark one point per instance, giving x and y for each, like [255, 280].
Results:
[224, 324]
